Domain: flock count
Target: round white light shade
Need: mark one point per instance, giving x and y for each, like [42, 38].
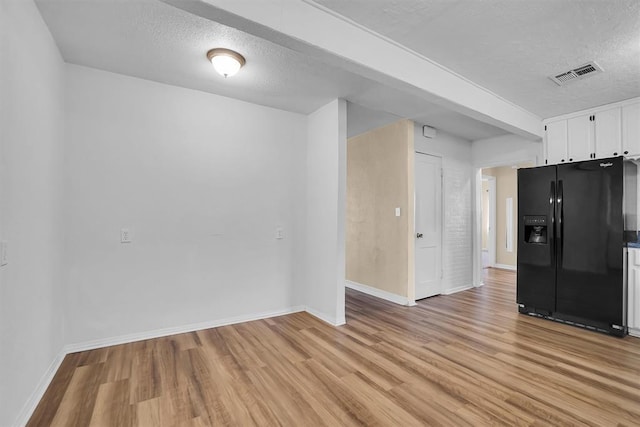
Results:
[226, 62]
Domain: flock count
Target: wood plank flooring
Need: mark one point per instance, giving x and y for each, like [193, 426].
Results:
[467, 359]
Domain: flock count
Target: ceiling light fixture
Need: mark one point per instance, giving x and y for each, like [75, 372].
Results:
[225, 61]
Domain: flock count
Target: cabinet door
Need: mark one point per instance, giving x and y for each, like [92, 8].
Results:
[556, 142]
[608, 133]
[579, 138]
[631, 130]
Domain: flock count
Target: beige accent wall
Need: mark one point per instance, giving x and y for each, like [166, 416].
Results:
[506, 186]
[380, 179]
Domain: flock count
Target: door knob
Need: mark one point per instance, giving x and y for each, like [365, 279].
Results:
[419, 235]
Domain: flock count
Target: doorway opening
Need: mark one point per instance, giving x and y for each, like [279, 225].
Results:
[499, 216]
[488, 221]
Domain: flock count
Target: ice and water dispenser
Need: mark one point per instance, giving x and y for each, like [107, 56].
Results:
[535, 229]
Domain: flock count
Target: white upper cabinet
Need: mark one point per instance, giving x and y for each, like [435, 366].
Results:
[607, 131]
[631, 130]
[556, 142]
[580, 138]
[608, 126]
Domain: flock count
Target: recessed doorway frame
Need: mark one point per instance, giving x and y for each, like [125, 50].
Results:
[491, 236]
[477, 211]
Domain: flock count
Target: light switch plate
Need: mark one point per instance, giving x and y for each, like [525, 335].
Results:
[279, 233]
[4, 255]
[125, 235]
[397, 211]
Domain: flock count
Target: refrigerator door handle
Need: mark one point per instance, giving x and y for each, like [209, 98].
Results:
[552, 221]
[560, 225]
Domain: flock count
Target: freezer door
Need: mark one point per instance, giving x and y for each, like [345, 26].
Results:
[536, 239]
[590, 240]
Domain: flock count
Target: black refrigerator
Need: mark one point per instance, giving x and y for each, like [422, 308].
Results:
[574, 222]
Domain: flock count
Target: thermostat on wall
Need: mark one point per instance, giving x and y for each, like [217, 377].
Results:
[429, 132]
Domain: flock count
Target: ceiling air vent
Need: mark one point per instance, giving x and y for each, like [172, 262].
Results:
[581, 72]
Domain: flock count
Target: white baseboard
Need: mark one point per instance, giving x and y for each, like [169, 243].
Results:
[31, 403]
[379, 293]
[634, 332]
[457, 289]
[124, 339]
[505, 267]
[34, 399]
[325, 317]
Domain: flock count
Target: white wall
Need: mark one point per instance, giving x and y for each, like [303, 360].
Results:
[457, 193]
[326, 205]
[202, 182]
[505, 150]
[31, 324]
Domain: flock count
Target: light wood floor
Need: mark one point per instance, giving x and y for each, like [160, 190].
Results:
[463, 359]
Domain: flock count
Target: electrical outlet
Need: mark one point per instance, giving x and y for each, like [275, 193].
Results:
[125, 235]
[4, 256]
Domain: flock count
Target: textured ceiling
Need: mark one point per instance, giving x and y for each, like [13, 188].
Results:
[152, 40]
[155, 41]
[511, 46]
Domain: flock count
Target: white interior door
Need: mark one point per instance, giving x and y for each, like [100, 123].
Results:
[428, 228]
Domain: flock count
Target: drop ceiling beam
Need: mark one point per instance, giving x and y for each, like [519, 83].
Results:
[308, 28]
